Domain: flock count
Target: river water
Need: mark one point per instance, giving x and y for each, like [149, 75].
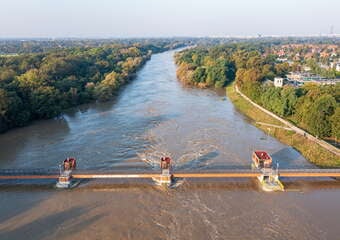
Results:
[156, 116]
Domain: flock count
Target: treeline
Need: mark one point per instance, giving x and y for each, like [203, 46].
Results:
[216, 66]
[205, 67]
[42, 85]
[313, 107]
[21, 46]
[330, 73]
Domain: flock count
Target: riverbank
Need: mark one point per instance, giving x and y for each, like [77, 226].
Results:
[309, 149]
[107, 91]
[67, 78]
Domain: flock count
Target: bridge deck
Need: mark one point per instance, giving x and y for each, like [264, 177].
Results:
[230, 173]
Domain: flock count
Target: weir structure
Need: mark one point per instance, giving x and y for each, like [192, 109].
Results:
[165, 177]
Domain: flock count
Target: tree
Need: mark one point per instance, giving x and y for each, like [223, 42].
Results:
[103, 92]
[267, 72]
[282, 69]
[318, 116]
[216, 73]
[271, 99]
[199, 75]
[254, 61]
[7, 75]
[30, 79]
[240, 76]
[45, 102]
[289, 100]
[3, 102]
[335, 123]
[252, 75]
[3, 110]
[111, 80]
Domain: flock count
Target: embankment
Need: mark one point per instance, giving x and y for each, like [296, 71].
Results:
[311, 150]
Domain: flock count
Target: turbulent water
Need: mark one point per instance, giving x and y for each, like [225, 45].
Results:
[156, 116]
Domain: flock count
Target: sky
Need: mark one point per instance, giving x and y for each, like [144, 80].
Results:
[166, 18]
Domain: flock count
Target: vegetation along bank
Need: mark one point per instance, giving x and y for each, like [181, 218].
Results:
[252, 67]
[40, 85]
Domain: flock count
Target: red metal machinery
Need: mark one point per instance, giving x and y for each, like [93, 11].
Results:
[165, 163]
[65, 177]
[262, 159]
[69, 164]
[166, 176]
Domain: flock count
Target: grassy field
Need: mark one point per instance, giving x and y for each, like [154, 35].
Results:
[310, 150]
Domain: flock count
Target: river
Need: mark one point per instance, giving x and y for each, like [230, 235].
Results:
[153, 116]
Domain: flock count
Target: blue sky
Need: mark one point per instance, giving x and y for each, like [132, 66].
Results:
[163, 18]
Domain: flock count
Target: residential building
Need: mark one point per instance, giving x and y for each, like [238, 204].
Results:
[278, 82]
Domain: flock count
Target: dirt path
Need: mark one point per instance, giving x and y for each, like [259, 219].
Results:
[322, 143]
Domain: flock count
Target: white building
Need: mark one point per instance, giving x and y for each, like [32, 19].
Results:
[278, 82]
[335, 65]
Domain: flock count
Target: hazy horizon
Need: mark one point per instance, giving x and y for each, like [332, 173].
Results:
[154, 18]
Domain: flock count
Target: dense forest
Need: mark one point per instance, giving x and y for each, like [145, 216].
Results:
[41, 85]
[315, 108]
